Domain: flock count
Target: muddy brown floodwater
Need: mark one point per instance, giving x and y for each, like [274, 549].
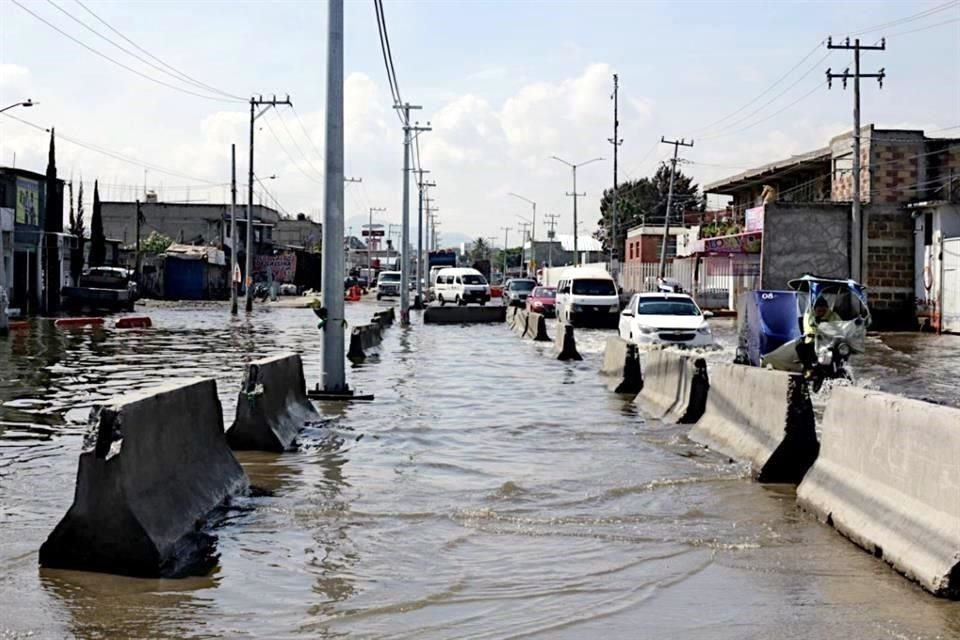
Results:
[489, 492]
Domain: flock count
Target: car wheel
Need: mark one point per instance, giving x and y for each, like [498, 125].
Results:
[441, 300]
[379, 296]
[459, 301]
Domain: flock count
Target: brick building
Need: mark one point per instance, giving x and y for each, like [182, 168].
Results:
[803, 193]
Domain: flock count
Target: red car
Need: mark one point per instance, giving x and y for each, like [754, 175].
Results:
[543, 300]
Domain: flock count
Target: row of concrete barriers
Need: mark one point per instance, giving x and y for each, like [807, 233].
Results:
[885, 472]
[157, 464]
[533, 325]
[365, 337]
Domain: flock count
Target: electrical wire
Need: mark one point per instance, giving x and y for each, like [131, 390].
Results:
[113, 154]
[816, 88]
[176, 76]
[118, 63]
[388, 59]
[765, 91]
[910, 18]
[931, 26]
[299, 148]
[287, 153]
[272, 197]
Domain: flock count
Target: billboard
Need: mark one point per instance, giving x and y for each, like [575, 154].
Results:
[28, 202]
[276, 268]
[754, 219]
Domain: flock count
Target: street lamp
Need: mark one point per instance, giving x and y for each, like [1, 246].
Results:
[576, 253]
[26, 103]
[533, 229]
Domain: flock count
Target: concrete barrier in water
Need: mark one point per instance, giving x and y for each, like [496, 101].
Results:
[888, 478]
[674, 386]
[155, 464]
[385, 317]
[464, 315]
[565, 344]
[762, 417]
[536, 328]
[518, 321]
[363, 338]
[272, 406]
[621, 361]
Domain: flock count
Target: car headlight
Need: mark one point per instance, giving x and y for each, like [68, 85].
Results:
[615, 309]
[646, 329]
[704, 329]
[843, 349]
[577, 308]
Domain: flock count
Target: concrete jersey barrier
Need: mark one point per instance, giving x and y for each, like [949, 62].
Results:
[621, 362]
[464, 315]
[565, 343]
[762, 417]
[536, 328]
[272, 406]
[674, 386]
[155, 464]
[362, 339]
[888, 478]
[518, 321]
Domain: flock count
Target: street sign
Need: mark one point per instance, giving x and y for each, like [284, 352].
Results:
[376, 233]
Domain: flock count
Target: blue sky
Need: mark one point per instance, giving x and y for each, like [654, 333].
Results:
[505, 85]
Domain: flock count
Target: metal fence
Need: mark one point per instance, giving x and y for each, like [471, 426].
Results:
[715, 282]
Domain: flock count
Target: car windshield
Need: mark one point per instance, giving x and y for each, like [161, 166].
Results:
[522, 285]
[472, 278]
[667, 307]
[544, 292]
[389, 277]
[594, 287]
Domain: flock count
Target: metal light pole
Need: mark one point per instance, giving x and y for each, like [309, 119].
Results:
[4, 324]
[576, 232]
[233, 230]
[333, 376]
[506, 231]
[26, 103]
[533, 231]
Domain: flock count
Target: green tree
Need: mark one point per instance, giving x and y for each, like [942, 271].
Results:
[155, 243]
[644, 201]
[480, 250]
[77, 228]
[98, 241]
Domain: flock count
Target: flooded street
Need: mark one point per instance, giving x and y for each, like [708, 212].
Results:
[490, 491]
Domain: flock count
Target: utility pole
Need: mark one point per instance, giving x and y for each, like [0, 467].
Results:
[266, 104]
[370, 228]
[524, 233]
[429, 211]
[575, 195]
[616, 142]
[506, 231]
[666, 222]
[405, 221]
[234, 267]
[856, 220]
[551, 234]
[136, 263]
[533, 234]
[421, 268]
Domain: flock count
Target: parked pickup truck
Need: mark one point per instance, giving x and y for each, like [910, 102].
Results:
[110, 288]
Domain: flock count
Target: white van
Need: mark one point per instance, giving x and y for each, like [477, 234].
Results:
[462, 286]
[588, 296]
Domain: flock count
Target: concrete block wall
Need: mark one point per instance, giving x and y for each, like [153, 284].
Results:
[889, 267]
[798, 239]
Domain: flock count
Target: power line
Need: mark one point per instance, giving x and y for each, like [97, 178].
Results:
[910, 18]
[113, 154]
[388, 57]
[287, 153]
[297, 145]
[772, 115]
[724, 130]
[118, 63]
[176, 76]
[765, 91]
[930, 26]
